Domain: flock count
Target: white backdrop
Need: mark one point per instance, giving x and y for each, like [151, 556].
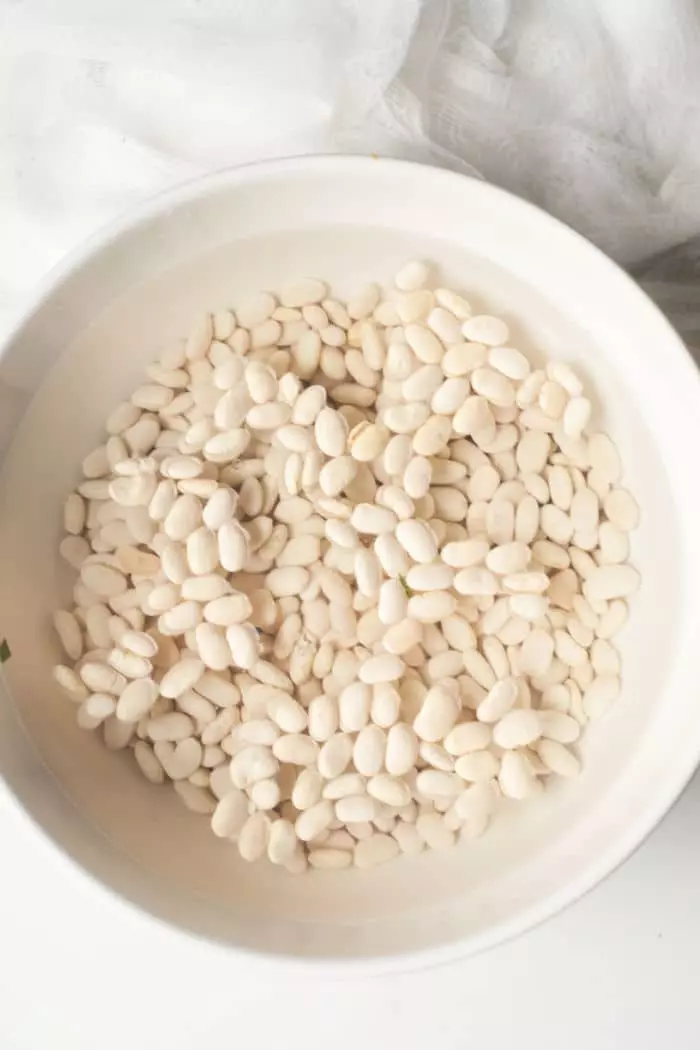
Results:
[590, 108]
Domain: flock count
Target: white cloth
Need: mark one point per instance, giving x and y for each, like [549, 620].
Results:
[590, 108]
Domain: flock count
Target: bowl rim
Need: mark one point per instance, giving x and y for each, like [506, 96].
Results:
[596, 870]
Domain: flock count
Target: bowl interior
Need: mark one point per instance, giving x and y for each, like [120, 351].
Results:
[84, 348]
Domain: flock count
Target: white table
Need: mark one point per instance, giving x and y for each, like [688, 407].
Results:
[617, 971]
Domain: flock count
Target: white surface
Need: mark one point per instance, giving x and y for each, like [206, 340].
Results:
[617, 971]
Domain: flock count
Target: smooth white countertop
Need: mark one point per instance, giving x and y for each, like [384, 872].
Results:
[616, 971]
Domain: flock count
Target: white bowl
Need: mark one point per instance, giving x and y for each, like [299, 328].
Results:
[111, 308]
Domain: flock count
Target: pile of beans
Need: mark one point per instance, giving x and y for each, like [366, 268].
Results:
[348, 573]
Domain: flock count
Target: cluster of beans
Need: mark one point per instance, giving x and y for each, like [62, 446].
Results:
[348, 573]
